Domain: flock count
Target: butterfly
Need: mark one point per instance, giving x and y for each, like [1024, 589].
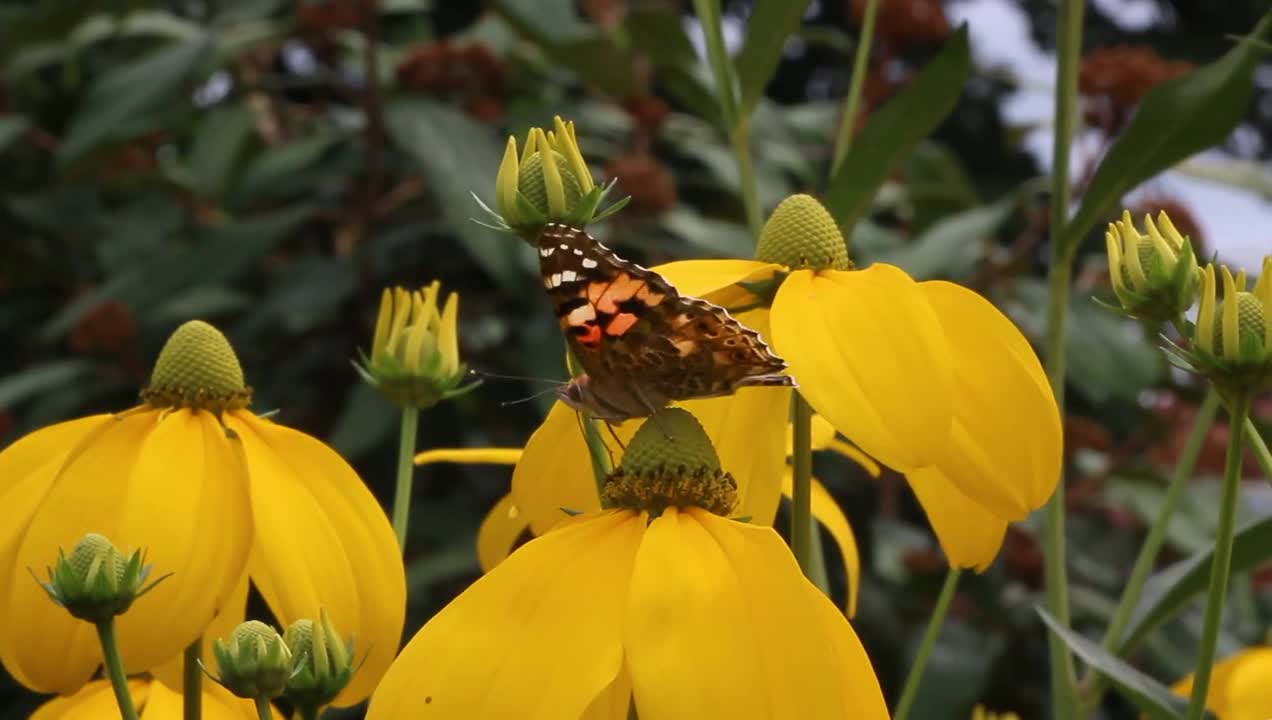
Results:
[640, 343]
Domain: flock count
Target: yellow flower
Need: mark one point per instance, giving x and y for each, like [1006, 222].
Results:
[928, 378]
[1232, 339]
[415, 353]
[980, 713]
[215, 494]
[1153, 275]
[684, 612]
[530, 192]
[154, 699]
[1238, 686]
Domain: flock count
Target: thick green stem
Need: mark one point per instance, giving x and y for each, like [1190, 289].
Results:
[597, 451]
[192, 681]
[405, 473]
[1260, 448]
[802, 485]
[860, 63]
[1221, 566]
[740, 139]
[1068, 51]
[115, 669]
[263, 710]
[307, 712]
[912, 681]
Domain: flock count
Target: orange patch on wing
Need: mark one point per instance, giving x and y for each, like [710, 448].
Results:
[607, 297]
[591, 338]
[621, 323]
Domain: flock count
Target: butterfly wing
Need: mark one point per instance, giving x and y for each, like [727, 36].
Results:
[626, 323]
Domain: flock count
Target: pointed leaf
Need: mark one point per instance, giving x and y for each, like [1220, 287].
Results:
[894, 131]
[770, 24]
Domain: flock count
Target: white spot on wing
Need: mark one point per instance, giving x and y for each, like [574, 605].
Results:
[569, 276]
[578, 251]
[546, 251]
[564, 246]
[581, 314]
[589, 263]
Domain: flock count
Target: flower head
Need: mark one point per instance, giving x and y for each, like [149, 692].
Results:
[415, 353]
[1232, 338]
[155, 699]
[254, 662]
[97, 582]
[322, 662]
[548, 182]
[217, 495]
[620, 606]
[1154, 274]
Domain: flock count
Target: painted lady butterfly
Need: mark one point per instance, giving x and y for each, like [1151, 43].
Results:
[640, 343]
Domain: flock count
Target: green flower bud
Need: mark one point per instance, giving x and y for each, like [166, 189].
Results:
[322, 662]
[415, 353]
[547, 182]
[1154, 275]
[97, 582]
[254, 662]
[670, 462]
[1232, 338]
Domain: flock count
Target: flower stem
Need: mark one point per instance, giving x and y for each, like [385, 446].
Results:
[861, 59]
[740, 139]
[912, 681]
[802, 484]
[1221, 566]
[1260, 449]
[192, 681]
[597, 451]
[115, 669]
[307, 712]
[1068, 50]
[263, 710]
[405, 473]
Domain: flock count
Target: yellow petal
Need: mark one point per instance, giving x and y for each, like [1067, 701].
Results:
[1246, 689]
[470, 456]
[228, 617]
[538, 638]
[172, 484]
[699, 278]
[869, 354]
[1217, 696]
[1006, 449]
[749, 432]
[555, 471]
[218, 704]
[969, 534]
[506, 179]
[94, 701]
[853, 453]
[499, 532]
[447, 336]
[720, 623]
[828, 513]
[614, 703]
[322, 541]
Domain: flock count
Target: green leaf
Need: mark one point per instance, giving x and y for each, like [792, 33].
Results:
[129, 92]
[656, 31]
[893, 131]
[281, 169]
[11, 128]
[770, 24]
[1170, 590]
[952, 246]
[219, 141]
[459, 157]
[35, 380]
[556, 29]
[1150, 696]
[1178, 118]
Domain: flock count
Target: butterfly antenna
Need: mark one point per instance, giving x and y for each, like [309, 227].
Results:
[528, 398]
[496, 376]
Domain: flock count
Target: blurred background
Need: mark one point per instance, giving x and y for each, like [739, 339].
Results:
[271, 165]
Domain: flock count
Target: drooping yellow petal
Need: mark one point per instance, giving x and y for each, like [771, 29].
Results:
[1246, 689]
[164, 703]
[828, 513]
[555, 471]
[1217, 698]
[700, 278]
[1006, 449]
[470, 456]
[869, 354]
[748, 431]
[853, 453]
[970, 534]
[172, 484]
[720, 623]
[613, 703]
[94, 701]
[228, 617]
[322, 542]
[499, 532]
[538, 638]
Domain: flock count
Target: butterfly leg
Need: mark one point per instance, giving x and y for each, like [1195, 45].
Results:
[610, 426]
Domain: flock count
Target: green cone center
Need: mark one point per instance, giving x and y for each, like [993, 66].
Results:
[801, 234]
[670, 462]
[197, 369]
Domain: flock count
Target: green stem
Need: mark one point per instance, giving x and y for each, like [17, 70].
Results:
[802, 485]
[848, 123]
[740, 139]
[263, 710]
[192, 681]
[1221, 568]
[115, 669]
[405, 473]
[307, 712]
[596, 449]
[1068, 51]
[912, 681]
[1260, 448]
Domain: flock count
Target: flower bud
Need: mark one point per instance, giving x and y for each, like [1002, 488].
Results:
[97, 582]
[322, 662]
[1232, 338]
[254, 662]
[547, 182]
[415, 352]
[1154, 275]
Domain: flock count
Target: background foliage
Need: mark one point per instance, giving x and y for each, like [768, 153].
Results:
[270, 165]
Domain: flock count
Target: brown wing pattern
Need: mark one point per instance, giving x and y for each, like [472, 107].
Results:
[627, 324]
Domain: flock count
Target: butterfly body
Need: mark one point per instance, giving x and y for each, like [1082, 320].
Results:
[640, 343]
